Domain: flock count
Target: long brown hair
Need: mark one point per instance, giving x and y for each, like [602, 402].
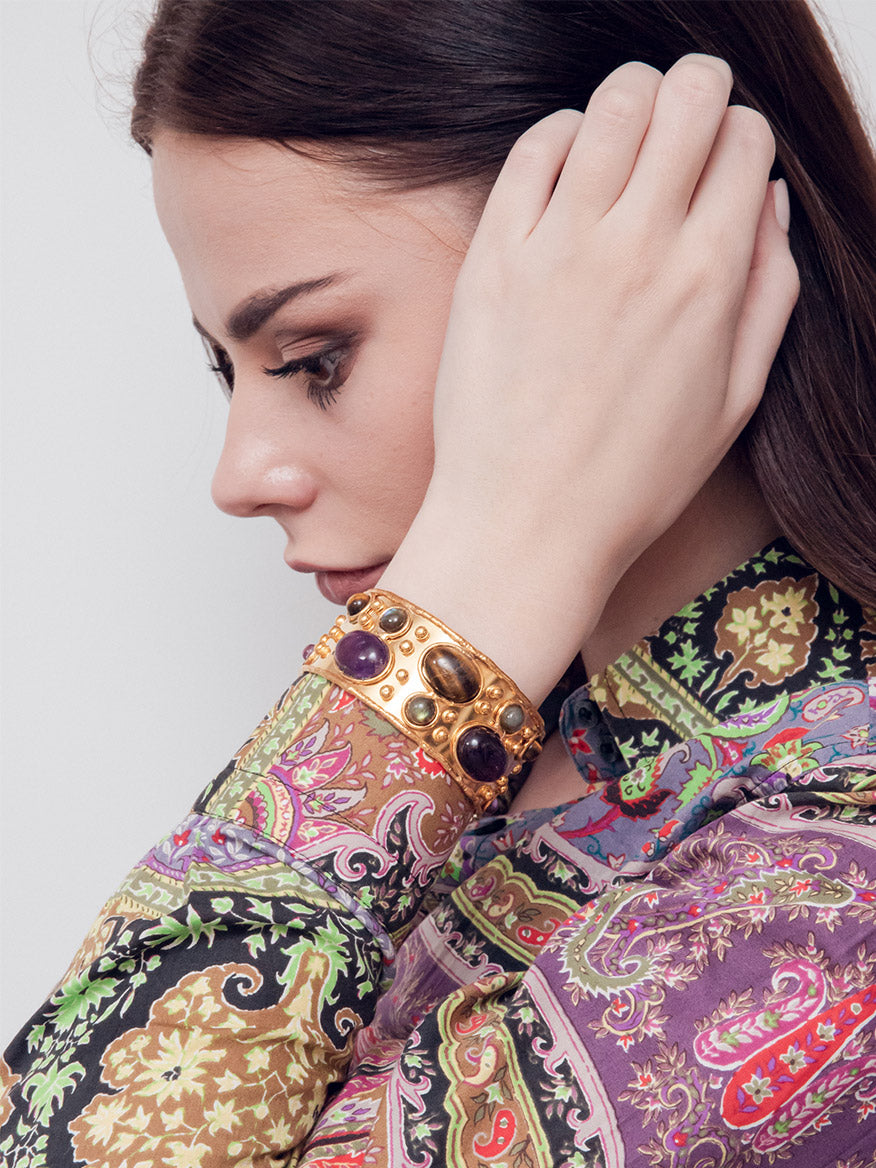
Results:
[414, 92]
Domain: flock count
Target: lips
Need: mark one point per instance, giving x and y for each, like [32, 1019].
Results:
[338, 587]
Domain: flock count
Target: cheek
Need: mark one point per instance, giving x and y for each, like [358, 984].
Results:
[389, 424]
[388, 446]
[399, 434]
[408, 450]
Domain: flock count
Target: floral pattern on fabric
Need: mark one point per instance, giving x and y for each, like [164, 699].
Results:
[771, 630]
[677, 969]
[174, 1074]
[772, 626]
[213, 950]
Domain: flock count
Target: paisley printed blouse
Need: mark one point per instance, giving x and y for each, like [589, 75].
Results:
[321, 966]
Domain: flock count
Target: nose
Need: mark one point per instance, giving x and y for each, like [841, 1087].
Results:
[262, 468]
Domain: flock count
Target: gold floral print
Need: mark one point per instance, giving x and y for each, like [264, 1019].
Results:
[204, 1076]
[767, 630]
[7, 1082]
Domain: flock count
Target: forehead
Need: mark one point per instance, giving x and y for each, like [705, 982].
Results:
[218, 183]
[248, 212]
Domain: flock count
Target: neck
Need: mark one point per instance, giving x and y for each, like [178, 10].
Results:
[724, 525]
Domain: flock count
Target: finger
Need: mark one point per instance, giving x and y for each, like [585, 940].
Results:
[523, 187]
[688, 111]
[770, 295]
[604, 152]
[725, 214]
[730, 195]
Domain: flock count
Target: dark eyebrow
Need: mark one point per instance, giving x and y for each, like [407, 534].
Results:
[248, 317]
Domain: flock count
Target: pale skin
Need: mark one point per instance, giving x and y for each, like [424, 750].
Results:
[542, 392]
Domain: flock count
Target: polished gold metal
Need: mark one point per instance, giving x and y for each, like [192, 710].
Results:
[438, 739]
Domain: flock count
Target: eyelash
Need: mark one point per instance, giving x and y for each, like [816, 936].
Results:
[219, 363]
[322, 395]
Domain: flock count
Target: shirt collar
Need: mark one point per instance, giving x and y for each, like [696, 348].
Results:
[773, 626]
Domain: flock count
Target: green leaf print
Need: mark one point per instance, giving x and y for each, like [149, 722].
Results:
[700, 777]
[45, 1090]
[76, 998]
[687, 661]
[172, 931]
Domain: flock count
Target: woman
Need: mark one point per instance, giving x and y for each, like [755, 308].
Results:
[305, 970]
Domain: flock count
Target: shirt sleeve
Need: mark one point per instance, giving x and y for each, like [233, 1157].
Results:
[214, 1003]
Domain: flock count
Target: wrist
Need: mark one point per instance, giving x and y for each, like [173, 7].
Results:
[502, 593]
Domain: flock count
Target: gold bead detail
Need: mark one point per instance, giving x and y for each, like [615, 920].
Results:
[386, 692]
[448, 716]
[406, 647]
[439, 735]
[482, 707]
[421, 632]
[401, 676]
[494, 692]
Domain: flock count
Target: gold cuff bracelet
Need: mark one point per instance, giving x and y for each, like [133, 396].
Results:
[435, 687]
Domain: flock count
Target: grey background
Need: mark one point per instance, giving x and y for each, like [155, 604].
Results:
[144, 633]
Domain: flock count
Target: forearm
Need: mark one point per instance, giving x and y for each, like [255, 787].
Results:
[243, 953]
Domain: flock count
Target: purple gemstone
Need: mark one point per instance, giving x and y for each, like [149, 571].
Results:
[361, 655]
[481, 754]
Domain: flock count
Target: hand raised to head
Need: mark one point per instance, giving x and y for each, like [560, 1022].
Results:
[611, 332]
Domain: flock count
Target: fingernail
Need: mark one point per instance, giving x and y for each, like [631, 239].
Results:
[782, 204]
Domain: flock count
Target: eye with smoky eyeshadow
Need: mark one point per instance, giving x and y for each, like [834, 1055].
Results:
[328, 368]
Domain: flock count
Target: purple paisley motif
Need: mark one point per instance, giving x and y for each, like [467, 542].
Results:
[348, 849]
[731, 1042]
[202, 839]
[829, 703]
[758, 719]
[303, 774]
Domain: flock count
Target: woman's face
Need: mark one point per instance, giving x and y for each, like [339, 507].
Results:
[338, 452]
